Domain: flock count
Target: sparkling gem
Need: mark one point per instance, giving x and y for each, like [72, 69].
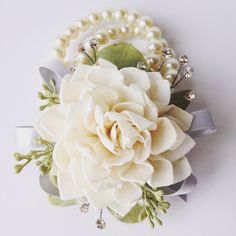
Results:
[183, 59]
[167, 52]
[188, 72]
[141, 65]
[100, 223]
[84, 208]
[84, 204]
[190, 96]
[81, 48]
[94, 43]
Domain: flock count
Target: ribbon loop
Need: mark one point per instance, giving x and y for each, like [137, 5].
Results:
[53, 69]
[26, 136]
[182, 188]
[202, 124]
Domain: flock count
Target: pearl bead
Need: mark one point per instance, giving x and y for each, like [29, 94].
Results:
[170, 74]
[112, 33]
[107, 15]
[139, 31]
[155, 47]
[81, 58]
[164, 43]
[83, 24]
[71, 32]
[120, 14]
[172, 63]
[145, 22]
[62, 42]
[58, 53]
[95, 18]
[153, 62]
[153, 33]
[124, 30]
[102, 38]
[87, 46]
[132, 17]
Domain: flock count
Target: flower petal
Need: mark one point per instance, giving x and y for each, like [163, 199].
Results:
[105, 63]
[50, 124]
[164, 137]
[160, 90]
[181, 117]
[129, 106]
[133, 75]
[138, 173]
[128, 193]
[77, 174]
[163, 173]
[181, 150]
[66, 186]
[100, 199]
[104, 76]
[93, 171]
[182, 169]
[75, 119]
[73, 85]
[143, 149]
[180, 136]
[61, 156]
[139, 121]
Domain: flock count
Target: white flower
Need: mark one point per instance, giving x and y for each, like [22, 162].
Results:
[113, 132]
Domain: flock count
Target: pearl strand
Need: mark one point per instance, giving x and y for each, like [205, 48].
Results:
[133, 25]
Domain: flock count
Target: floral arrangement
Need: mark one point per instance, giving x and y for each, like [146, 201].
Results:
[112, 132]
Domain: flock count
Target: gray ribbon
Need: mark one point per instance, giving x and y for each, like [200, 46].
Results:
[25, 137]
[182, 188]
[53, 69]
[202, 124]
[47, 186]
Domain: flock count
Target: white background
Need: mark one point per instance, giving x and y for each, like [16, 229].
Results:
[205, 30]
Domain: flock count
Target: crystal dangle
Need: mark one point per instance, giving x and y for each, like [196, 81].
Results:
[84, 204]
[100, 223]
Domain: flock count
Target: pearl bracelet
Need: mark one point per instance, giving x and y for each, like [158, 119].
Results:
[121, 25]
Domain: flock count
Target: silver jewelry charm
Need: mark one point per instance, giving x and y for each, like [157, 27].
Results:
[100, 223]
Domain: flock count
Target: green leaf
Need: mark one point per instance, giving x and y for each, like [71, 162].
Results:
[54, 200]
[179, 99]
[122, 55]
[135, 215]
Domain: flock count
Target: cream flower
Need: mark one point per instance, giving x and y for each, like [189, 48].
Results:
[113, 132]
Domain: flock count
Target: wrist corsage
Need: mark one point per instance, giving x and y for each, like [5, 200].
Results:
[112, 132]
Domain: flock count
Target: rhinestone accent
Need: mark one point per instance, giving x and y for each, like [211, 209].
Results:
[94, 43]
[81, 48]
[141, 65]
[167, 52]
[183, 59]
[100, 223]
[190, 96]
[84, 204]
[188, 72]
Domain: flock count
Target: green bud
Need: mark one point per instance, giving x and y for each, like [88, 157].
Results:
[18, 168]
[19, 157]
[42, 107]
[151, 222]
[158, 221]
[41, 96]
[162, 210]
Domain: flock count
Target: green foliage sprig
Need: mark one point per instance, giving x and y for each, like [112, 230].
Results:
[153, 203]
[43, 157]
[49, 94]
